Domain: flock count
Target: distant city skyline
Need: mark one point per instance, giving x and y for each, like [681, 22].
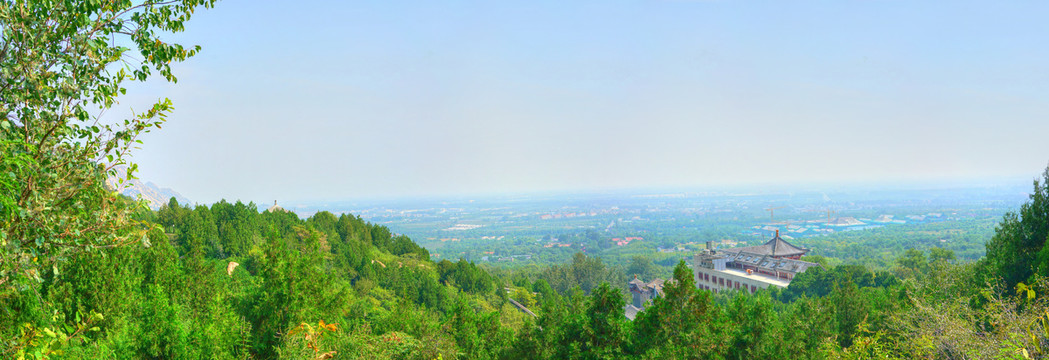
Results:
[340, 100]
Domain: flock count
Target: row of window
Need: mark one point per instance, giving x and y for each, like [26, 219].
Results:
[721, 282]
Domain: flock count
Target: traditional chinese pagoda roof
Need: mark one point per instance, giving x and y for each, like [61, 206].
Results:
[637, 285]
[768, 262]
[777, 247]
[657, 285]
[631, 311]
[275, 207]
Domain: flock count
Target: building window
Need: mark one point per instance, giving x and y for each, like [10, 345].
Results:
[753, 289]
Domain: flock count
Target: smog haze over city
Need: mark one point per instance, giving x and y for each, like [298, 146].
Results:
[410, 99]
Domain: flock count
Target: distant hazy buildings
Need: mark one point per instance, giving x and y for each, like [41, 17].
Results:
[845, 221]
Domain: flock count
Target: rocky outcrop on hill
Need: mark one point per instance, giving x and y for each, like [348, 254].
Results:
[155, 195]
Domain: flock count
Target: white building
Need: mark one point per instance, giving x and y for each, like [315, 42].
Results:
[774, 263]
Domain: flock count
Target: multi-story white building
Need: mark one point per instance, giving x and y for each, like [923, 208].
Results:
[774, 263]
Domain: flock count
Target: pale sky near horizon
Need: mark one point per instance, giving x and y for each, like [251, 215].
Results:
[306, 100]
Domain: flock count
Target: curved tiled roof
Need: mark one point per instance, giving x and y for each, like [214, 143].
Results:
[768, 262]
[639, 285]
[776, 247]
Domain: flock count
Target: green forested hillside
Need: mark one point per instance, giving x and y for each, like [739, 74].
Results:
[180, 297]
[338, 286]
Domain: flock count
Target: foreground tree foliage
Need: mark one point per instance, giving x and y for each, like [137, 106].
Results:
[62, 65]
[1018, 249]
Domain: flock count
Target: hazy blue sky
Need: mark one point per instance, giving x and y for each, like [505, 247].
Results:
[295, 100]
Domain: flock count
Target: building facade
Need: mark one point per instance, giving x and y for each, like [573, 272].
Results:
[774, 263]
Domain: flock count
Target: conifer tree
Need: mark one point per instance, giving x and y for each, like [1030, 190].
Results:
[1018, 249]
